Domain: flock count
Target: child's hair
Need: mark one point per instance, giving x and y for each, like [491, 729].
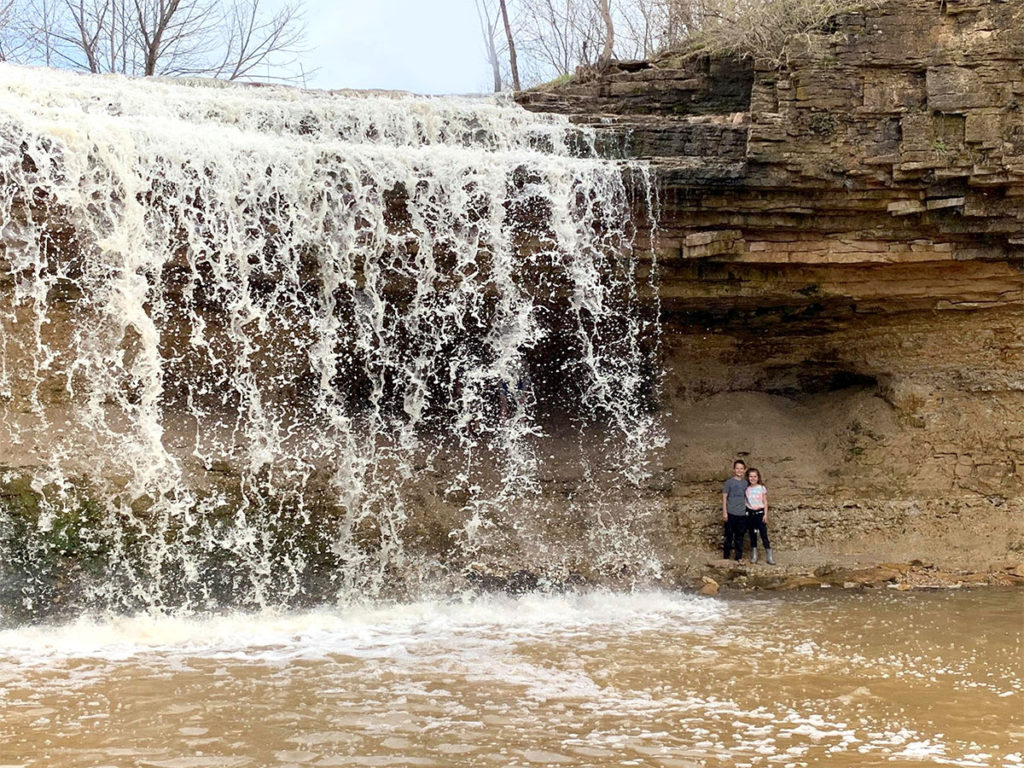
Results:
[739, 461]
[760, 477]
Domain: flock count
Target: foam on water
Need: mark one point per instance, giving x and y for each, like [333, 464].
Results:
[241, 327]
[367, 631]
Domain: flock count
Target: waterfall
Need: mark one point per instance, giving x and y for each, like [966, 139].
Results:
[265, 346]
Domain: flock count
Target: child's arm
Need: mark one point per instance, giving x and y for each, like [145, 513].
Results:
[766, 506]
[725, 513]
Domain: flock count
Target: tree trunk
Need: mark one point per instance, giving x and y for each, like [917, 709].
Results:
[495, 68]
[511, 46]
[604, 6]
[487, 28]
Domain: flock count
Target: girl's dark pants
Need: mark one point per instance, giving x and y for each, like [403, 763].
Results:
[755, 525]
[735, 529]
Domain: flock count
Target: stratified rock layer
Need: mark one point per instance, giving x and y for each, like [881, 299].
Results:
[841, 254]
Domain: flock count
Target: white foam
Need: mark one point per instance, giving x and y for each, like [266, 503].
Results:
[379, 631]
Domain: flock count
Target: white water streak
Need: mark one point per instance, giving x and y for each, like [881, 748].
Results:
[255, 314]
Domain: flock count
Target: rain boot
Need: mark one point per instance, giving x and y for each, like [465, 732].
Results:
[753, 555]
[771, 560]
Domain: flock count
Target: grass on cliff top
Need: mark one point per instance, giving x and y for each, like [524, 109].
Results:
[558, 82]
[759, 29]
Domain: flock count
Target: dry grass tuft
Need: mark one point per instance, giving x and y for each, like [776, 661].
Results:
[761, 29]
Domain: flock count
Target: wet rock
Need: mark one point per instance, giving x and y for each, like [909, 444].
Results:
[800, 582]
[881, 574]
[1009, 578]
[709, 587]
[521, 582]
[765, 580]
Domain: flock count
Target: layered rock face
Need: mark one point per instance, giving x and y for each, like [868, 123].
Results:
[841, 258]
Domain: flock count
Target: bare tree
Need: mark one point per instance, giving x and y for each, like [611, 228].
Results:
[513, 63]
[90, 20]
[255, 39]
[605, 10]
[172, 35]
[7, 16]
[232, 39]
[19, 22]
[67, 33]
[558, 35]
[646, 26]
[489, 29]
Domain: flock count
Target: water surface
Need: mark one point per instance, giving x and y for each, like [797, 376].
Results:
[650, 679]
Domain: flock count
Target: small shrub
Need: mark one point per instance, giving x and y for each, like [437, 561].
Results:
[823, 123]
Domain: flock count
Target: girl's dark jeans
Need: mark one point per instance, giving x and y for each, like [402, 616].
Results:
[755, 525]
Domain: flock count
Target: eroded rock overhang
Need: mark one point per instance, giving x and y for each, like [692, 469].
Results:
[845, 232]
[894, 138]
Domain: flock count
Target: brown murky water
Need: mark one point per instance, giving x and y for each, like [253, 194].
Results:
[651, 679]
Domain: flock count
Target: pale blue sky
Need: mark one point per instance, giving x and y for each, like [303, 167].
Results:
[425, 46]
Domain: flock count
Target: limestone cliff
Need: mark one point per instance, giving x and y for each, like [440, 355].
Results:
[840, 254]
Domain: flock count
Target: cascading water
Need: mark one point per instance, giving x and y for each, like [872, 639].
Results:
[264, 346]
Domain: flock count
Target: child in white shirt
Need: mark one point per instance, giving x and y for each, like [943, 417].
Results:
[757, 515]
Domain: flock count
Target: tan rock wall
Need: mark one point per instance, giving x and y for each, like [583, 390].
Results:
[842, 278]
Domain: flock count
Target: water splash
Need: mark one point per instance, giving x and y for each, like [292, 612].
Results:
[255, 341]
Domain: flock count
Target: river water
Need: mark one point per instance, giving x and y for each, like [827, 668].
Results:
[647, 679]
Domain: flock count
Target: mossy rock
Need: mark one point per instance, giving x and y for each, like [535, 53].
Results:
[51, 546]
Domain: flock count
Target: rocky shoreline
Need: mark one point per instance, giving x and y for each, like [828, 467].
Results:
[712, 577]
[717, 575]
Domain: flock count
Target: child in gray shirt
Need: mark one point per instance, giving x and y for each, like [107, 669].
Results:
[734, 509]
